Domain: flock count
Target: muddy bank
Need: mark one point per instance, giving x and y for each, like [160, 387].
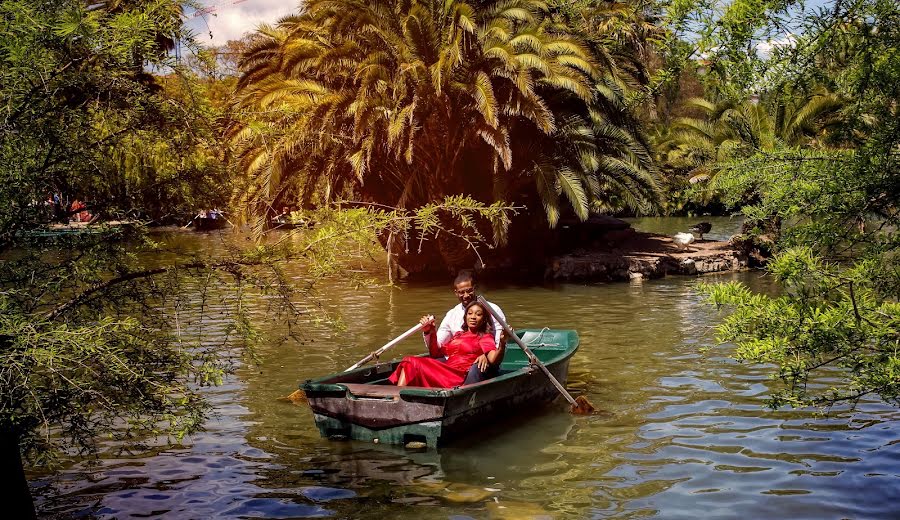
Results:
[645, 255]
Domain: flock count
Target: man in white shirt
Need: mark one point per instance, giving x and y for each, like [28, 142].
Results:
[464, 287]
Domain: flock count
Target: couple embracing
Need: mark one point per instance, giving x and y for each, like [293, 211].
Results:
[466, 348]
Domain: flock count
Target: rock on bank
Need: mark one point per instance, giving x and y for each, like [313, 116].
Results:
[645, 255]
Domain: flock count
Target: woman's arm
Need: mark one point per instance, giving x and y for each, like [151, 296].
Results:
[434, 349]
[491, 354]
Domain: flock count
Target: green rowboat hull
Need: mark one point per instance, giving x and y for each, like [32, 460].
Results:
[361, 405]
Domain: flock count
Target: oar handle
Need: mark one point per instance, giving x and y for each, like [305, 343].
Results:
[390, 344]
[531, 356]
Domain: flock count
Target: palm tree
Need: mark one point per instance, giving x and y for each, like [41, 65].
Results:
[625, 30]
[402, 103]
[731, 130]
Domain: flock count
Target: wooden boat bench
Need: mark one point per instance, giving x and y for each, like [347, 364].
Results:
[374, 391]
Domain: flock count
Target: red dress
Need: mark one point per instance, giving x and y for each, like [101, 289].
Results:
[462, 350]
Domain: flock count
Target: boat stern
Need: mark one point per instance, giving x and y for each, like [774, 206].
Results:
[366, 412]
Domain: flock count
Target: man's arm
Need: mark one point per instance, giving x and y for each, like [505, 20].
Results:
[498, 329]
[445, 331]
[500, 336]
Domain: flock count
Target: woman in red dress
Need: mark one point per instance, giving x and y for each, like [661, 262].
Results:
[474, 344]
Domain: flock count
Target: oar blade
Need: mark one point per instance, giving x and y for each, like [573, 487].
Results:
[296, 397]
[582, 406]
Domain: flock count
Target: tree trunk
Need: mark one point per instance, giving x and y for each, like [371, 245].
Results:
[16, 497]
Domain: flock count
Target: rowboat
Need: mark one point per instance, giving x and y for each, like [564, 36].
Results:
[78, 229]
[362, 405]
[209, 224]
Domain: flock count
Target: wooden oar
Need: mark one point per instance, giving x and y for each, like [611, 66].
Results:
[297, 396]
[580, 406]
[390, 344]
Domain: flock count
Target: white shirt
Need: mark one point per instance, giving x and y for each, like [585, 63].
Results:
[453, 323]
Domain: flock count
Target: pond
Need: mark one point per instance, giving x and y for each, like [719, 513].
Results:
[682, 430]
[723, 228]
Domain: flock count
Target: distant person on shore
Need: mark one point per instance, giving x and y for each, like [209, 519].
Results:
[59, 214]
[78, 211]
[464, 288]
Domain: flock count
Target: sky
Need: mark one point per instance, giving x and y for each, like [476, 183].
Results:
[230, 19]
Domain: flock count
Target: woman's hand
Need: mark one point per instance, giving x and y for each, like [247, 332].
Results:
[482, 362]
[427, 323]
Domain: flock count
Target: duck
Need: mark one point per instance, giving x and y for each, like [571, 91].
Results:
[700, 229]
[683, 240]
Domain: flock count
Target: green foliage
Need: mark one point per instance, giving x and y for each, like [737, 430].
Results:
[831, 209]
[83, 117]
[731, 132]
[62, 384]
[403, 104]
[87, 347]
[830, 318]
[360, 232]
[90, 343]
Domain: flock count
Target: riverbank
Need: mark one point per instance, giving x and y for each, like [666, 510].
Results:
[646, 255]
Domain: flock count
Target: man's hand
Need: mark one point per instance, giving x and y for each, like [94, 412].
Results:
[504, 337]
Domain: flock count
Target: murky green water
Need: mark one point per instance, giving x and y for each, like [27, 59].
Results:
[682, 433]
[723, 228]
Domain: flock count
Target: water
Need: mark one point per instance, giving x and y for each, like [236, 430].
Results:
[681, 433]
[723, 228]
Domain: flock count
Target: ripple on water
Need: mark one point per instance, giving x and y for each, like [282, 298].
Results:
[267, 508]
[326, 494]
[683, 431]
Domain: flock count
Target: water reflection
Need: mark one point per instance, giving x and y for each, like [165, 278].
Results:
[681, 433]
[723, 228]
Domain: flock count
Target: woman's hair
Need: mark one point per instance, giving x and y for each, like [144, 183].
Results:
[486, 322]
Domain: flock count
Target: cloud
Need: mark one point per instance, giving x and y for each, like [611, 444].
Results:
[764, 49]
[230, 19]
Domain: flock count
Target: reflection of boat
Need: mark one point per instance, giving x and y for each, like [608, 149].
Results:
[209, 224]
[362, 405]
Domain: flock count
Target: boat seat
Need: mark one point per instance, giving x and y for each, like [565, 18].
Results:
[365, 390]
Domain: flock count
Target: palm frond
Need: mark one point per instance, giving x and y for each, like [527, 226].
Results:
[570, 184]
[482, 92]
[545, 181]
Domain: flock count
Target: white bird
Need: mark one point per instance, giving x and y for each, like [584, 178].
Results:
[683, 240]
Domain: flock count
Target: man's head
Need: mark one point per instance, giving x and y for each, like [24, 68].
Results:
[464, 287]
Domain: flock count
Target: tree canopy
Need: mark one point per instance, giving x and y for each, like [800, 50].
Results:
[832, 210]
[405, 103]
[84, 117]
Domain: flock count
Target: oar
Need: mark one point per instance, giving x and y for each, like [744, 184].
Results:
[390, 344]
[580, 406]
[297, 396]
